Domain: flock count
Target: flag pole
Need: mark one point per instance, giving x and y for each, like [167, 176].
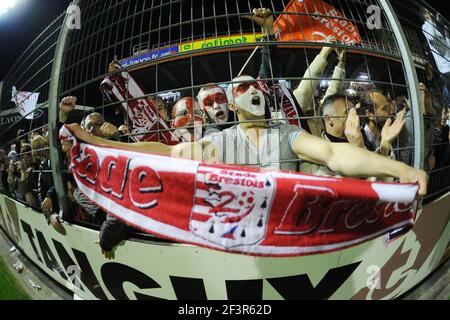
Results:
[250, 58]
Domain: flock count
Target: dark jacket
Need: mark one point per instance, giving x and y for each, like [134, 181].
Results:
[46, 188]
[112, 232]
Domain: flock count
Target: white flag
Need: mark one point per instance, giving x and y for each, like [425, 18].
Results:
[26, 102]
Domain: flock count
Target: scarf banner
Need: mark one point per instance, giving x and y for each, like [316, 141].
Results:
[238, 209]
[147, 123]
[309, 20]
[26, 103]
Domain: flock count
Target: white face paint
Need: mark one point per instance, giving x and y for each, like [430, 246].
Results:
[215, 103]
[192, 134]
[248, 96]
[188, 119]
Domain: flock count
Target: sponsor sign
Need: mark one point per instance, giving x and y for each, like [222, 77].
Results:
[219, 42]
[149, 56]
[151, 270]
[190, 46]
[16, 117]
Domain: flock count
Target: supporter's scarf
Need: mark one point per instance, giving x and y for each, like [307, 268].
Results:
[147, 123]
[237, 209]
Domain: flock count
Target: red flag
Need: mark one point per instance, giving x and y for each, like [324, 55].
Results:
[309, 20]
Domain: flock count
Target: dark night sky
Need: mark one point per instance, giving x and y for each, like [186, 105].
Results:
[22, 25]
[28, 19]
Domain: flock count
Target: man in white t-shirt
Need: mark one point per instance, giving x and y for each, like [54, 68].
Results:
[246, 99]
[254, 142]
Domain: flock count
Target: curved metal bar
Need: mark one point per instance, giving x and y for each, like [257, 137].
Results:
[412, 81]
[55, 154]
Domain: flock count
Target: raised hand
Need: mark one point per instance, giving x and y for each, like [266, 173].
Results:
[412, 175]
[68, 104]
[341, 55]
[330, 39]
[391, 130]
[113, 67]
[326, 51]
[109, 255]
[264, 18]
[353, 129]
[108, 131]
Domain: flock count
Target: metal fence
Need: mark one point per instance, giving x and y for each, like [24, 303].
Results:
[427, 34]
[21, 153]
[172, 49]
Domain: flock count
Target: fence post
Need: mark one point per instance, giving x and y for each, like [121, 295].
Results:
[412, 80]
[53, 113]
[1, 93]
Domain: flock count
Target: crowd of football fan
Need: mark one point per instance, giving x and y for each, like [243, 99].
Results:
[244, 123]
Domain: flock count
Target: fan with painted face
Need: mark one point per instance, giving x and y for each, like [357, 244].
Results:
[187, 119]
[247, 98]
[213, 100]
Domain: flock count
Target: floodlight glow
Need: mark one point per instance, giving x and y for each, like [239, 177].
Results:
[6, 5]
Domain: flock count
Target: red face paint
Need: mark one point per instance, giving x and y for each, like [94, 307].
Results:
[243, 87]
[186, 112]
[219, 98]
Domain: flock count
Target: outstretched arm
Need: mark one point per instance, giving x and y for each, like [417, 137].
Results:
[351, 161]
[66, 106]
[337, 83]
[192, 151]
[305, 91]
[270, 62]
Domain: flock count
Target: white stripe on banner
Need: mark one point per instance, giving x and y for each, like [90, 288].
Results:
[26, 103]
[390, 193]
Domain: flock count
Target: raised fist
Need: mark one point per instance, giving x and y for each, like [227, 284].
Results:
[68, 104]
[264, 18]
[108, 131]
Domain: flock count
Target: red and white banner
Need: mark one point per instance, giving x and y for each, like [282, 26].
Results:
[26, 102]
[147, 123]
[237, 209]
[314, 20]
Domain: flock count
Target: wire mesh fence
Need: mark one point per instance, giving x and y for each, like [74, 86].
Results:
[25, 168]
[160, 70]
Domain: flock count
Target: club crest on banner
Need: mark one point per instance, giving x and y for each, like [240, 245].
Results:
[231, 207]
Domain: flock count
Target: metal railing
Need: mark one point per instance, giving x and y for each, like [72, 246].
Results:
[63, 62]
